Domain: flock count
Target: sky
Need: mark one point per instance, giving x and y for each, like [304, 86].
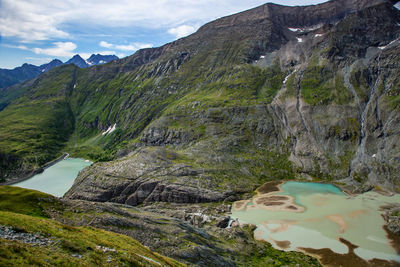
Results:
[37, 31]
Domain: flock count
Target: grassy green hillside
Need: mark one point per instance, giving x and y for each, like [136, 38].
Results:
[36, 125]
[216, 91]
[24, 212]
[31, 233]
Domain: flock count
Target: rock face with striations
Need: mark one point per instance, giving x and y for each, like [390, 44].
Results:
[325, 111]
[271, 93]
[148, 175]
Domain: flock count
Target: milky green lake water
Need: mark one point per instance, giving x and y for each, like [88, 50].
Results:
[329, 214]
[57, 179]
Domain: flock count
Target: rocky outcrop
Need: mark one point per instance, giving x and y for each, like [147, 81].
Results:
[9, 233]
[163, 136]
[148, 175]
[172, 229]
[267, 94]
[393, 221]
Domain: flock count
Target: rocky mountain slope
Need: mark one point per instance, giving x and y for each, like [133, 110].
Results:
[39, 229]
[31, 237]
[28, 71]
[25, 72]
[271, 93]
[77, 60]
[180, 131]
[100, 59]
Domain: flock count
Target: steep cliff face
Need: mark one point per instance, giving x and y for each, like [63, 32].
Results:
[271, 93]
[315, 105]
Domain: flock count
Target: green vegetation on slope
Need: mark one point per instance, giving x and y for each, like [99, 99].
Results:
[203, 83]
[359, 78]
[321, 84]
[317, 86]
[394, 96]
[28, 202]
[83, 246]
[35, 126]
[23, 211]
[133, 100]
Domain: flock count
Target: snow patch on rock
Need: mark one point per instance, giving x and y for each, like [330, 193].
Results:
[287, 78]
[295, 29]
[389, 44]
[110, 129]
[307, 29]
[148, 259]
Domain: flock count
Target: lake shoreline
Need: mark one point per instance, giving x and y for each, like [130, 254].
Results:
[57, 178]
[36, 171]
[325, 256]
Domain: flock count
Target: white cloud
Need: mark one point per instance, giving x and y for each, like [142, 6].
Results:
[105, 44]
[182, 31]
[23, 47]
[39, 60]
[107, 52]
[85, 55]
[60, 49]
[133, 46]
[34, 20]
[104, 53]
[125, 47]
[26, 21]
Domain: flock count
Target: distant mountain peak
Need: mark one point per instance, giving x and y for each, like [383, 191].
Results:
[94, 59]
[100, 59]
[28, 71]
[52, 64]
[78, 61]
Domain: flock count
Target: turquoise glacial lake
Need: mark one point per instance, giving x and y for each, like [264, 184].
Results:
[313, 215]
[57, 179]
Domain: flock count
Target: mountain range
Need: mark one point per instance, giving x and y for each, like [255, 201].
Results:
[28, 71]
[274, 93]
[298, 91]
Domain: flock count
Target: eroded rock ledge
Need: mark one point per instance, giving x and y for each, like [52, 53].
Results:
[144, 177]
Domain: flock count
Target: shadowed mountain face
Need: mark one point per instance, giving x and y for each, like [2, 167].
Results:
[267, 94]
[78, 61]
[100, 59]
[25, 72]
[28, 71]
